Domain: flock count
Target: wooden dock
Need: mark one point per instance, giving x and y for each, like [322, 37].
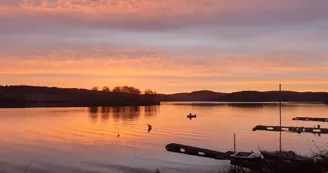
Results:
[256, 164]
[314, 130]
[310, 119]
[201, 152]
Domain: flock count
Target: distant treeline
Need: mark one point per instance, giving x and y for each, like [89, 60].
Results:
[26, 96]
[274, 96]
[124, 89]
[203, 95]
[248, 96]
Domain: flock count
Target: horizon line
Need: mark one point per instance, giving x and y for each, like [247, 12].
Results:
[183, 92]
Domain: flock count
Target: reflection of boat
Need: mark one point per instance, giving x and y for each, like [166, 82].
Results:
[191, 116]
[250, 156]
[285, 156]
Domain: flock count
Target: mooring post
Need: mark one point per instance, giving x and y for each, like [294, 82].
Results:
[280, 98]
[234, 143]
[280, 104]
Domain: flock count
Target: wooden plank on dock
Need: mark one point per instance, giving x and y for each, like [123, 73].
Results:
[201, 152]
[310, 119]
[316, 130]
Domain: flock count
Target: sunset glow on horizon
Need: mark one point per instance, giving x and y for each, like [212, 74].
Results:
[165, 45]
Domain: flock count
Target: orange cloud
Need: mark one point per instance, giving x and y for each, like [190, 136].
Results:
[168, 44]
[226, 68]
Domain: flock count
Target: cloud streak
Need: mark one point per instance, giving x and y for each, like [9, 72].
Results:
[214, 43]
[162, 15]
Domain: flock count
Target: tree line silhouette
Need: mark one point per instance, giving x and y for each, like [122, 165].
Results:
[25, 96]
[124, 89]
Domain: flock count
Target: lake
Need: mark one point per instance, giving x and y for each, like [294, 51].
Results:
[86, 139]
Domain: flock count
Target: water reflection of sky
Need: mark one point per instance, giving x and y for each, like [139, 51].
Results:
[87, 137]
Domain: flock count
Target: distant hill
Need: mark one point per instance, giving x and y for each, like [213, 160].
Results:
[203, 95]
[34, 96]
[248, 96]
[325, 100]
[273, 96]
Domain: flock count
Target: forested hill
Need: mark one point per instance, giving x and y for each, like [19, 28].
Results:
[272, 96]
[248, 96]
[203, 95]
[30, 96]
[25, 96]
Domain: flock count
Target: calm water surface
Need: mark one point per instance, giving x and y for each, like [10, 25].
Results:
[85, 139]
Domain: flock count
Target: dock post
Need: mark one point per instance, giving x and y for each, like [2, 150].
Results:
[280, 104]
[280, 98]
[234, 143]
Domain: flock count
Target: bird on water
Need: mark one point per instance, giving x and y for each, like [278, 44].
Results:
[150, 127]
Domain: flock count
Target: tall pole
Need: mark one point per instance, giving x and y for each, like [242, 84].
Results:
[280, 104]
[234, 143]
[280, 98]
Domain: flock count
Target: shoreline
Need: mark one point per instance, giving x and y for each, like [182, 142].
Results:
[68, 105]
[158, 103]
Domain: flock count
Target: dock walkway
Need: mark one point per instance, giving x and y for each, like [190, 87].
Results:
[316, 130]
[201, 152]
[310, 119]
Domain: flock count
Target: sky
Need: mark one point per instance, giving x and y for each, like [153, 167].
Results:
[165, 45]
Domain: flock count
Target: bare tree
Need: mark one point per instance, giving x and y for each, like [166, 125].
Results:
[150, 92]
[105, 89]
[127, 89]
[117, 89]
[95, 88]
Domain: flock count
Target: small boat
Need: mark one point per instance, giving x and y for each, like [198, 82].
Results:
[191, 116]
[285, 156]
[246, 159]
[250, 156]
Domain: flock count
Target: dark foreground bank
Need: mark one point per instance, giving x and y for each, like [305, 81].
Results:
[319, 164]
[30, 96]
